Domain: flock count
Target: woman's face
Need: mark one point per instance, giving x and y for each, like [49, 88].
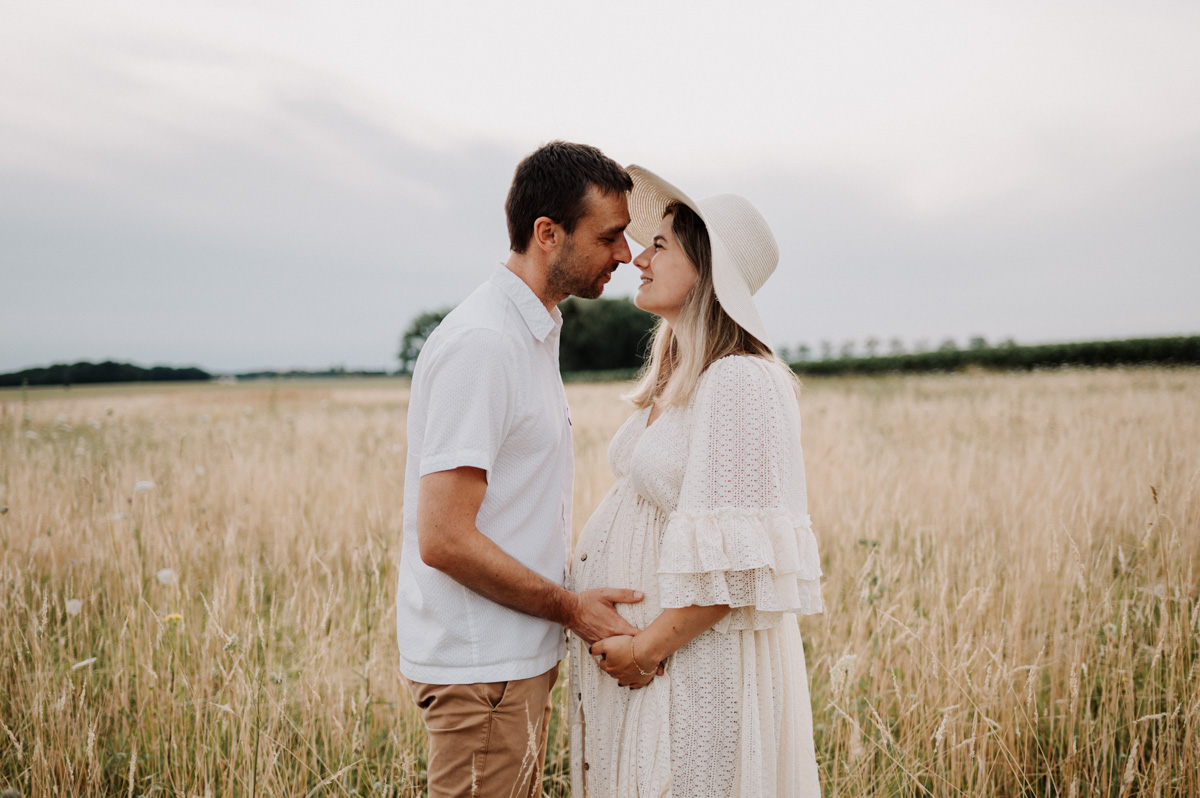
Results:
[667, 274]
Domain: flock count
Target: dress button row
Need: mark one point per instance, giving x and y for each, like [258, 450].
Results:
[583, 557]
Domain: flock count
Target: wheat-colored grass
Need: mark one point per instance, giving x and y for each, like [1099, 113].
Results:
[1011, 582]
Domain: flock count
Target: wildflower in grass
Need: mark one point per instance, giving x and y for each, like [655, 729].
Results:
[165, 577]
[74, 606]
[143, 486]
[857, 749]
[174, 617]
[940, 734]
[838, 673]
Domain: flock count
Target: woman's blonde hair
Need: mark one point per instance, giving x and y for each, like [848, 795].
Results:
[703, 333]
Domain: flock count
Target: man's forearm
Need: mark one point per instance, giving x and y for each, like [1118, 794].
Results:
[478, 564]
[450, 542]
[482, 566]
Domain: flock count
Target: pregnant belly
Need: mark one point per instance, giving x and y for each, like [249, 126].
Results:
[619, 548]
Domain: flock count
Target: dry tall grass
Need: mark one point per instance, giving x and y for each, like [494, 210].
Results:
[1011, 579]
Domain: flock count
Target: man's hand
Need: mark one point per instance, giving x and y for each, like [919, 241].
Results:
[594, 616]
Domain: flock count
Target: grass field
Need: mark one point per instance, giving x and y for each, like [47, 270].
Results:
[196, 586]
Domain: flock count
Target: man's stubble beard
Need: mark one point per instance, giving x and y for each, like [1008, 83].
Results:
[568, 276]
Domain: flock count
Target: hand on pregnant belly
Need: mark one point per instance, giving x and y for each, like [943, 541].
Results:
[595, 615]
[616, 656]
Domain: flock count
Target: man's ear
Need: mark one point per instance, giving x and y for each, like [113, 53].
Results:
[547, 233]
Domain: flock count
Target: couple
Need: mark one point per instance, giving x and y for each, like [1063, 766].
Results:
[687, 673]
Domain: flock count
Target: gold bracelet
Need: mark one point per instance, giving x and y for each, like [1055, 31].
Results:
[633, 657]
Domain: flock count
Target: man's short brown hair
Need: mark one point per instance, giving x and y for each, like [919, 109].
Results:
[553, 182]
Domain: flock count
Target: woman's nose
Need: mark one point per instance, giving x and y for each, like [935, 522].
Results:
[642, 261]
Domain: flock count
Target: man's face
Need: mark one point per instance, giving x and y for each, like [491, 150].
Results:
[586, 259]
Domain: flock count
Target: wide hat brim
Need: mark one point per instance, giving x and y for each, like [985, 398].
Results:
[744, 251]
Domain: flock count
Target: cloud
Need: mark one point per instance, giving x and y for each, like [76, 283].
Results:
[1118, 263]
[176, 186]
[295, 230]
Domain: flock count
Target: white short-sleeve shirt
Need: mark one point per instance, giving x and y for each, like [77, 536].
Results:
[486, 392]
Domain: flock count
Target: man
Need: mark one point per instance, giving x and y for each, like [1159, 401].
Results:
[480, 605]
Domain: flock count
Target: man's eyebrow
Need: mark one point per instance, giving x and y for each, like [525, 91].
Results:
[615, 230]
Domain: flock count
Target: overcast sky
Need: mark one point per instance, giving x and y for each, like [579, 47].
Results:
[243, 185]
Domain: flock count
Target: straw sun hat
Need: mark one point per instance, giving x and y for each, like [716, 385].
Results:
[744, 252]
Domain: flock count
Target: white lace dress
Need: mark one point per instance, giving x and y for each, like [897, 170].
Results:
[709, 507]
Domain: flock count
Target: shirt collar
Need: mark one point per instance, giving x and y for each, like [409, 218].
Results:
[540, 323]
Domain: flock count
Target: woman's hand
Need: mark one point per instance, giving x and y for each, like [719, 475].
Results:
[670, 631]
[615, 656]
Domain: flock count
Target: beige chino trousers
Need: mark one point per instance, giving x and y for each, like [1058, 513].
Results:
[486, 740]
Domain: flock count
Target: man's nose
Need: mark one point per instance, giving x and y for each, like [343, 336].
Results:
[623, 254]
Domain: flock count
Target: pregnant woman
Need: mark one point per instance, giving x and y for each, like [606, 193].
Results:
[708, 517]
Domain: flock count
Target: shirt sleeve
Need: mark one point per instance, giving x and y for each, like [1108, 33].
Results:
[468, 392]
[741, 534]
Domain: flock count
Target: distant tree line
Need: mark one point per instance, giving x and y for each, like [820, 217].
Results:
[415, 336]
[603, 334]
[1176, 351]
[872, 348]
[599, 335]
[298, 374]
[606, 339]
[108, 371]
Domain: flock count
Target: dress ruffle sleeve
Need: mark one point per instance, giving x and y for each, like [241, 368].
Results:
[741, 534]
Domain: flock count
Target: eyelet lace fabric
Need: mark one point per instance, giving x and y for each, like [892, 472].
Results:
[709, 507]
